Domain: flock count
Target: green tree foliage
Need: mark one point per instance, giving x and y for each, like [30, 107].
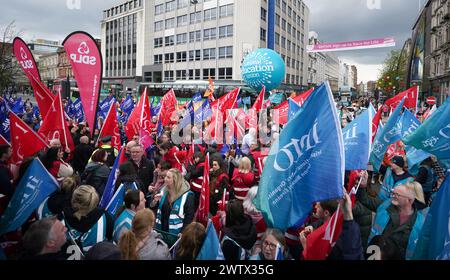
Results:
[392, 76]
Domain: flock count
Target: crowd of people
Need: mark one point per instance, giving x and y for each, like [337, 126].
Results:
[157, 220]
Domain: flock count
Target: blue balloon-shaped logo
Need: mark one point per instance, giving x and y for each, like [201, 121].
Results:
[263, 67]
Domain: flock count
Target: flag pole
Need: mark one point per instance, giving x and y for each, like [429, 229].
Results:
[335, 222]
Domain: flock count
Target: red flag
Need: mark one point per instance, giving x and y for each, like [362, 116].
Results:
[283, 108]
[55, 126]
[43, 95]
[122, 157]
[203, 207]
[257, 106]
[3, 141]
[86, 60]
[111, 127]
[168, 107]
[210, 90]
[25, 142]
[140, 117]
[226, 102]
[411, 95]
[320, 242]
[393, 150]
[376, 123]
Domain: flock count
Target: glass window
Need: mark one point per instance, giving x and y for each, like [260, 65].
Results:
[182, 20]
[226, 10]
[209, 73]
[195, 17]
[263, 17]
[158, 59]
[168, 76]
[169, 40]
[226, 31]
[210, 14]
[158, 42]
[209, 34]
[170, 23]
[226, 52]
[159, 9]
[170, 6]
[159, 25]
[169, 58]
[181, 56]
[262, 35]
[181, 74]
[181, 38]
[209, 54]
[183, 3]
[225, 73]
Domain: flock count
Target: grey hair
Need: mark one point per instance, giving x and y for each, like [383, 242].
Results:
[37, 236]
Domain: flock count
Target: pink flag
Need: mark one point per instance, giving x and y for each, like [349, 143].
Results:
[139, 118]
[86, 60]
[24, 141]
[55, 126]
[145, 138]
[111, 127]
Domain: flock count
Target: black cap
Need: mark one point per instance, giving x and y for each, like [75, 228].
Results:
[104, 251]
[399, 161]
[107, 138]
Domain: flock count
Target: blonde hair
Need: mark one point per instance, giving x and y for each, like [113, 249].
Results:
[245, 165]
[139, 229]
[177, 182]
[68, 184]
[84, 200]
[416, 188]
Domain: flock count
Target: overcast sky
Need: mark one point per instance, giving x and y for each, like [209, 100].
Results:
[333, 20]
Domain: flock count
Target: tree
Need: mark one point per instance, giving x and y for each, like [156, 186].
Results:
[393, 73]
[8, 68]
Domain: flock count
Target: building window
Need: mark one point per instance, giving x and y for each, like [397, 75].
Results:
[170, 6]
[284, 6]
[159, 25]
[226, 10]
[303, 24]
[225, 73]
[283, 42]
[262, 35]
[288, 62]
[226, 52]
[277, 38]
[170, 23]
[194, 55]
[210, 14]
[181, 38]
[158, 59]
[168, 75]
[169, 41]
[209, 34]
[159, 9]
[209, 54]
[181, 57]
[169, 58]
[194, 74]
[277, 19]
[263, 17]
[209, 73]
[289, 28]
[288, 45]
[195, 17]
[182, 20]
[289, 12]
[158, 42]
[181, 74]
[226, 31]
[183, 3]
[195, 36]
[283, 24]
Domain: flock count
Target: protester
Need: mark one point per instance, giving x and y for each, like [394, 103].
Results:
[195, 176]
[87, 224]
[175, 204]
[54, 163]
[104, 251]
[6, 177]
[159, 176]
[81, 155]
[219, 183]
[239, 232]
[141, 242]
[134, 201]
[60, 199]
[191, 242]
[243, 179]
[97, 172]
[271, 239]
[44, 240]
[111, 152]
[257, 217]
[144, 167]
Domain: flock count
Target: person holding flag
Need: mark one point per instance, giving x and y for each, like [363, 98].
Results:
[270, 242]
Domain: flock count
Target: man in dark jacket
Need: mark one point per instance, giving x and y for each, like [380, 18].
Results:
[81, 155]
[6, 186]
[143, 166]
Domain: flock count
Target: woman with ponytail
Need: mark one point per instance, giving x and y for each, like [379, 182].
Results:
[86, 223]
[141, 242]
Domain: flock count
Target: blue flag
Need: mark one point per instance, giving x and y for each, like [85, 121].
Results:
[110, 184]
[18, 107]
[4, 120]
[78, 110]
[211, 249]
[126, 107]
[104, 106]
[305, 165]
[357, 141]
[433, 136]
[197, 97]
[188, 117]
[69, 109]
[293, 109]
[391, 133]
[34, 187]
[433, 239]
[279, 253]
[414, 156]
[118, 198]
[155, 110]
[160, 128]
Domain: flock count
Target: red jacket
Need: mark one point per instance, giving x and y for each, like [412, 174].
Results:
[175, 158]
[241, 183]
[196, 183]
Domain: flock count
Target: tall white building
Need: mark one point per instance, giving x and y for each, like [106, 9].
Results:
[166, 40]
[317, 62]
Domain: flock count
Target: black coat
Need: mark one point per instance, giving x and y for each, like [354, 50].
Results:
[81, 156]
[145, 172]
[96, 175]
[243, 233]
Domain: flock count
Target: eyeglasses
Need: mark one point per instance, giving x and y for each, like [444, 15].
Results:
[271, 245]
[397, 195]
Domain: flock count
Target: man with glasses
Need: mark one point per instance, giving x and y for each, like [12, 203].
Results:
[397, 219]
